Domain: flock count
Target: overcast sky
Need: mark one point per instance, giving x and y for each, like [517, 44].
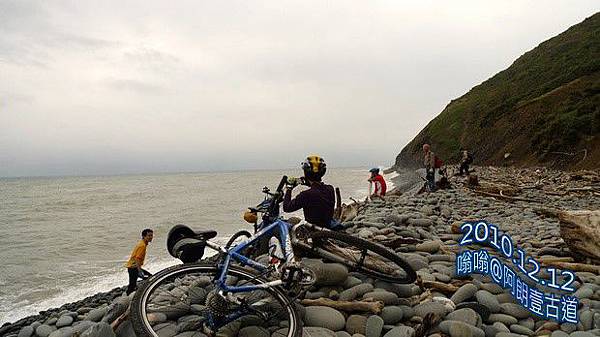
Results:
[103, 87]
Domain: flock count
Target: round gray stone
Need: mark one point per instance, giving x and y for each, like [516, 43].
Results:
[437, 308]
[492, 288]
[197, 295]
[508, 334]
[82, 326]
[460, 330]
[254, 331]
[26, 331]
[586, 317]
[328, 273]
[501, 327]
[568, 327]
[64, 320]
[96, 315]
[429, 247]
[465, 315]
[356, 324]
[475, 331]
[66, 331]
[401, 331]
[385, 296]
[407, 312]
[391, 314]
[324, 317]
[102, 330]
[44, 330]
[582, 334]
[584, 292]
[529, 323]
[314, 332]
[183, 334]
[374, 326]
[503, 318]
[514, 310]
[559, 333]
[516, 328]
[463, 293]
[402, 290]
[481, 310]
[355, 292]
[489, 300]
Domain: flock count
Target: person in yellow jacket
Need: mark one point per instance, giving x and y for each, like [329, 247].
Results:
[136, 260]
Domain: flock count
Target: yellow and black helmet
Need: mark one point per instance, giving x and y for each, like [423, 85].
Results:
[314, 168]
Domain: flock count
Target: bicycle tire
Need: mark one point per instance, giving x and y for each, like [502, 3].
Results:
[378, 251]
[142, 326]
[236, 236]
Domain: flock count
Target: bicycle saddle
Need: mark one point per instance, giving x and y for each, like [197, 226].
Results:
[179, 232]
[205, 234]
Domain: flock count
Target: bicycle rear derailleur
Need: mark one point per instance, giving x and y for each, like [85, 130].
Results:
[296, 278]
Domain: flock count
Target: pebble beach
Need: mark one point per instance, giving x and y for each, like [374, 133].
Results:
[424, 229]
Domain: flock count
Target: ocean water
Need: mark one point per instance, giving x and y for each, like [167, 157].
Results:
[67, 238]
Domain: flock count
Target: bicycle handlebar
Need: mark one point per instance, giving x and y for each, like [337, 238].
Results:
[282, 183]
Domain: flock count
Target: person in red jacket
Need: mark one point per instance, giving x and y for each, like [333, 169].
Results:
[378, 182]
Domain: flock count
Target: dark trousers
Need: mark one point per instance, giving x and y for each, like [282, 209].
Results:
[464, 167]
[431, 179]
[134, 273]
[133, 276]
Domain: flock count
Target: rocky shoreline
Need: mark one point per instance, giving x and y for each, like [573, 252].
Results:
[423, 228]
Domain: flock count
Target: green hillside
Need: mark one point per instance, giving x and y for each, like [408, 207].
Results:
[542, 110]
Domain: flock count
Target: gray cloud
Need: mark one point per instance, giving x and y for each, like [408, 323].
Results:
[95, 87]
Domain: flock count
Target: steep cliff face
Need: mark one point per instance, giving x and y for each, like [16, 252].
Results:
[542, 110]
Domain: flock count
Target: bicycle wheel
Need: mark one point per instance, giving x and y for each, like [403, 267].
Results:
[241, 234]
[183, 298]
[362, 256]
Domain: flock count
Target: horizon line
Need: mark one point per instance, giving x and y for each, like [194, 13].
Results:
[168, 172]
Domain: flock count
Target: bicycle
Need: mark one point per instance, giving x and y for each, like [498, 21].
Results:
[220, 296]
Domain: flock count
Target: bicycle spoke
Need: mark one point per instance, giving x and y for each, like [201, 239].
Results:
[365, 257]
[183, 303]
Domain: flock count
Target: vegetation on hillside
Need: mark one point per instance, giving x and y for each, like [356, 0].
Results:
[544, 107]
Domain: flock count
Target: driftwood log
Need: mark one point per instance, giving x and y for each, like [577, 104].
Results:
[498, 188]
[349, 212]
[572, 266]
[416, 299]
[502, 196]
[399, 242]
[552, 259]
[581, 232]
[429, 321]
[374, 307]
[446, 288]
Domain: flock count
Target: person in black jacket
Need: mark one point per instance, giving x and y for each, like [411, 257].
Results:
[465, 161]
[318, 202]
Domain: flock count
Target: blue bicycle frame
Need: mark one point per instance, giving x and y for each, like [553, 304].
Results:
[235, 254]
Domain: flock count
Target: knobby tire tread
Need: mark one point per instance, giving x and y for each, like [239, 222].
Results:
[359, 243]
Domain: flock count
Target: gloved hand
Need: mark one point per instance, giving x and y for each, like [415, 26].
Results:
[293, 182]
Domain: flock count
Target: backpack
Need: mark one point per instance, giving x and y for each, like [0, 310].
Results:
[437, 162]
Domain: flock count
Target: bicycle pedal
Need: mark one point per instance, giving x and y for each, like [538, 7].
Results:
[297, 276]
